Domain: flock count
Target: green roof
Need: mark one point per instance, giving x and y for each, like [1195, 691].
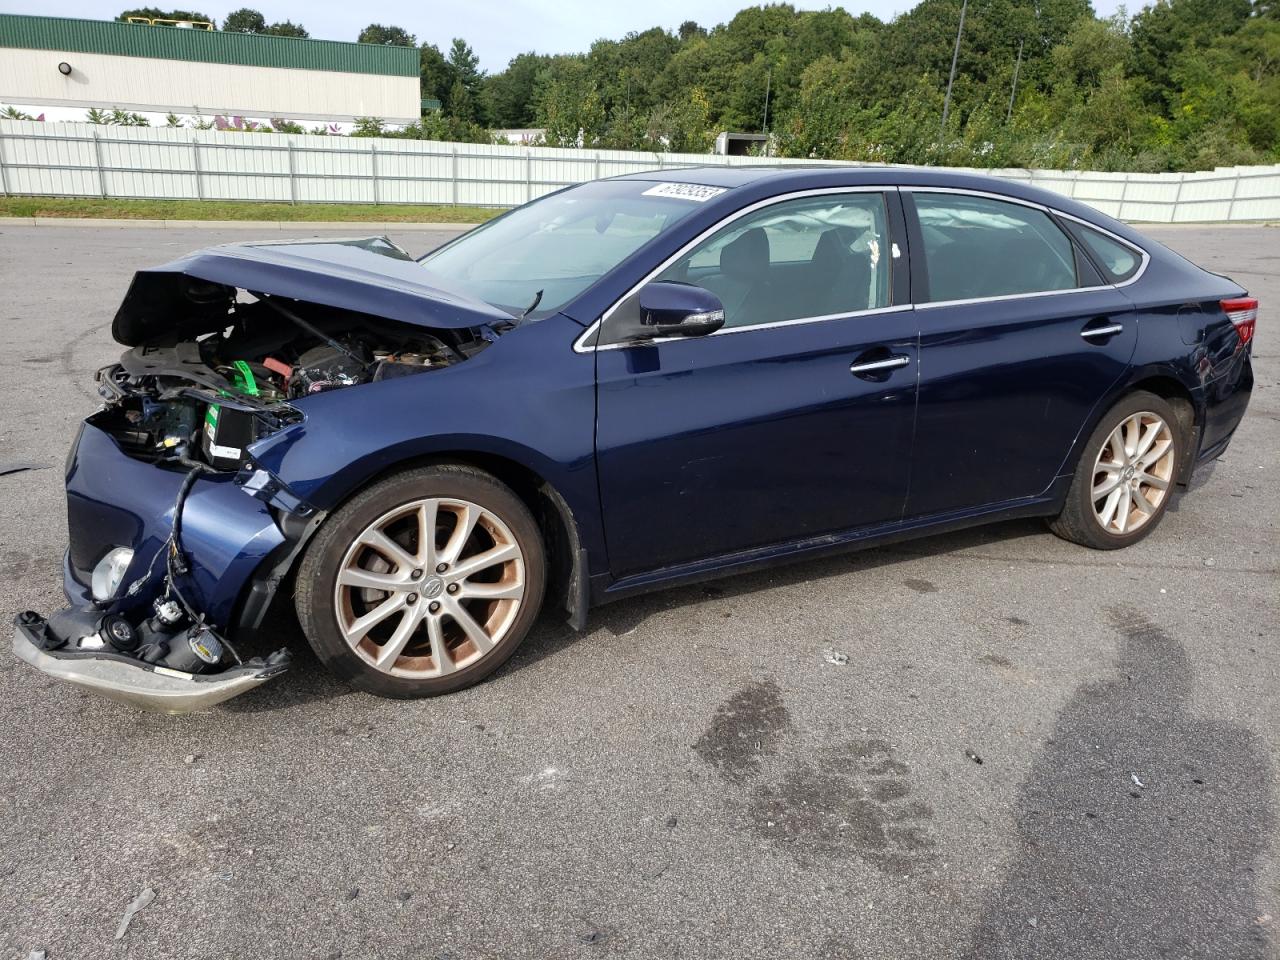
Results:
[204, 46]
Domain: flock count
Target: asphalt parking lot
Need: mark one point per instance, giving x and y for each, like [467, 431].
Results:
[692, 776]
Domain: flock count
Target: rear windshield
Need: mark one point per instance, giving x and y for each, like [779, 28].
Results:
[552, 249]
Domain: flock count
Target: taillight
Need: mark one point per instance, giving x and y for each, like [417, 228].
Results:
[1243, 312]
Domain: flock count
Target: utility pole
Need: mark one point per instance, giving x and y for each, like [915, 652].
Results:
[955, 55]
[768, 82]
[1008, 116]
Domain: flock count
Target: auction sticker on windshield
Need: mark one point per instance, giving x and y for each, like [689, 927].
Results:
[685, 191]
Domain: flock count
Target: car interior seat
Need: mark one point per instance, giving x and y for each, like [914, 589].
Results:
[743, 278]
[839, 277]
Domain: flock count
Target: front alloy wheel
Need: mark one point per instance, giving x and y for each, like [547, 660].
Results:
[423, 584]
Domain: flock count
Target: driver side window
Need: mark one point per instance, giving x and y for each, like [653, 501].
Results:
[799, 259]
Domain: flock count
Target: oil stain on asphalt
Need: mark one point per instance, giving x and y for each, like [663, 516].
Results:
[852, 799]
[855, 799]
[746, 728]
[1141, 825]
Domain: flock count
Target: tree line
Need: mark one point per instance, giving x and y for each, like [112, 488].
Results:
[1179, 85]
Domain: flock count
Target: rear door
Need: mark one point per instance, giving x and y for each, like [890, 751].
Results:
[792, 421]
[1020, 340]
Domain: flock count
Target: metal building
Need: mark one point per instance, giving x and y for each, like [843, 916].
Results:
[58, 62]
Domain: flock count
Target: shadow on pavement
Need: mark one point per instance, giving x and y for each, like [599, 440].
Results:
[1141, 825]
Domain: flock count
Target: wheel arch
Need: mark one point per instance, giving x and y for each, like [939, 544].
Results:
[1165, 383]
[568, 573]
[1170, 388]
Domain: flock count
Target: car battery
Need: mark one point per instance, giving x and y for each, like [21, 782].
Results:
[228, 432]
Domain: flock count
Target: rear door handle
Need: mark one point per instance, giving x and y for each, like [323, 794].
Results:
[878, 366]
[1109, 330]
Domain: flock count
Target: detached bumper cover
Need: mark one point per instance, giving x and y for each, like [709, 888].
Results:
[133, 682]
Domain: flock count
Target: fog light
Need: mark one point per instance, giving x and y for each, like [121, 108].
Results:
[109, 572]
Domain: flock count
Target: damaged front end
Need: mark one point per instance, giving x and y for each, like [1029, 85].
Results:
[179, 538]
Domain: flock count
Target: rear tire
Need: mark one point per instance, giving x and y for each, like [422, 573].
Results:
[400, 612]
[1126, 475]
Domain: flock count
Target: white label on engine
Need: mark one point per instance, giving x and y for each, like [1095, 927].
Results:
[227, 453]
[684, 191]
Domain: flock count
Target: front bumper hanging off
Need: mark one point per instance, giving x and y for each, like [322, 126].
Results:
[131, 681]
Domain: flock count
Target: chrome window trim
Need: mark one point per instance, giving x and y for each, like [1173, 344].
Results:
[580, 344]
[1011, 296]
[725, 331]
[1146, 257]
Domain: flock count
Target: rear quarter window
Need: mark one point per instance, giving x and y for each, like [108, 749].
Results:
[1118, 261]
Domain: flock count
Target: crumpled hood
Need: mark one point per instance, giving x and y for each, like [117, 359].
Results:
[192, 295]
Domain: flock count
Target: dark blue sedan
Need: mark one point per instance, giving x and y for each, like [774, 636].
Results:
[624, 385]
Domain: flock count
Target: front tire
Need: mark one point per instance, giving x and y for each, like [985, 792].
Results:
[423, 584]
[1125, 477]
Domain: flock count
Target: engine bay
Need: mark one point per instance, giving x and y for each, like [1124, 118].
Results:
[206, 400]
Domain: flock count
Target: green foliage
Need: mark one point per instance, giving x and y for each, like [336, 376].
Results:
[368, 127]
[464, 95]
[387, 36]
[508, 96]
[436, 126]
[1182, 84]
[287, 28]
[281, 125]
[155, 13]
[116, 117]
[248, 20]
[244, 20]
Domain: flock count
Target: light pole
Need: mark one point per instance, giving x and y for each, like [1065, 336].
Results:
[1016, 67]
[768, 82]
[955, 55]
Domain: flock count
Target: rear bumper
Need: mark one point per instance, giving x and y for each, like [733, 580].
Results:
[138, 684]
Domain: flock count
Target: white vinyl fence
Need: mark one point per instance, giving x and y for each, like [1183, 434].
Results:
[90, 160]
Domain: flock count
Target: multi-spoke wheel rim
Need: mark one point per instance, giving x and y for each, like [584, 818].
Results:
[1133, 473]
[429, 588]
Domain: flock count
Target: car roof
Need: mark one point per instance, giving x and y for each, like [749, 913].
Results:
[784, 178]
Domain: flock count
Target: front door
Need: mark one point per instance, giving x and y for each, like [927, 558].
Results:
[793, 421]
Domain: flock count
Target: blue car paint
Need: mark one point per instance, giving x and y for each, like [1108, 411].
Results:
[1004, 387]
[671, 469]
[113, 499]
[764, 434]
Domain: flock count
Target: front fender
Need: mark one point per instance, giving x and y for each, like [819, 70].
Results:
[527, 398]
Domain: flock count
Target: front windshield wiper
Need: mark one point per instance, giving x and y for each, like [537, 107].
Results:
[537, 299]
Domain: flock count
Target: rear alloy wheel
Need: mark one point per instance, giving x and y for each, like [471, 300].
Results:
[1133, 473]
[423, 584]
[1125, 478]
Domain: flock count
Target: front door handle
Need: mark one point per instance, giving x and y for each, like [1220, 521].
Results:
[878, 366]
[1106, 330]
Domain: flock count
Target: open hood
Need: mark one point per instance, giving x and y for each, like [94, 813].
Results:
[191, 296]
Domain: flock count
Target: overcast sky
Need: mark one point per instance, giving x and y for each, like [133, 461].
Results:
[496, 29]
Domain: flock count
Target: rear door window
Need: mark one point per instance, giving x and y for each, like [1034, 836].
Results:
[978, 247]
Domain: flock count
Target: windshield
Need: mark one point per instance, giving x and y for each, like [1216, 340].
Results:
[558, 246]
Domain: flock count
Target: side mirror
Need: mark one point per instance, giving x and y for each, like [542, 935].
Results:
[669, 309]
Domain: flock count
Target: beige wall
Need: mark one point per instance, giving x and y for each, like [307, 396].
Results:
[180, 86]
